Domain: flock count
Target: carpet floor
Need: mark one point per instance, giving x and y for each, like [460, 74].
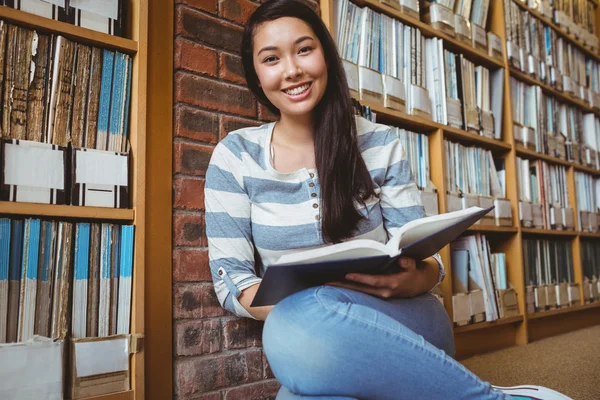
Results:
[568, 363]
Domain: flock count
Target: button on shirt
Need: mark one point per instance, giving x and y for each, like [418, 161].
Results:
[255, 214]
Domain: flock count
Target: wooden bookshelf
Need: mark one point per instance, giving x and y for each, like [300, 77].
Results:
[565, 310]
[583, 168]
[558, 30]
[523, 77]
[477, 338]
[548, 232]
[136, 45]
[534, 155]
[485, 325]
[60, 211]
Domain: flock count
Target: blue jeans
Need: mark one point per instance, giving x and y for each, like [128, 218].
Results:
[333, 343]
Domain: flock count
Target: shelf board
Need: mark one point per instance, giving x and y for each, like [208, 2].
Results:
[548, 232]
[452, 44]
[493, 229]
[560, 31]
[128, 395]
[559, 311]
[523, 77]
[593, 235]
[483, 325]
[583, 168]
[52, 210]
[70, 31]
[523, 152]
[419, 124]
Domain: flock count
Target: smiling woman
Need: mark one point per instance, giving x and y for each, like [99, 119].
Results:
[318, 176]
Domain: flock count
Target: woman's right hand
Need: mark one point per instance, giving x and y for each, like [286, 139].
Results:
[245, 300]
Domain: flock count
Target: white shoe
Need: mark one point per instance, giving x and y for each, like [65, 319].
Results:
[527, 392]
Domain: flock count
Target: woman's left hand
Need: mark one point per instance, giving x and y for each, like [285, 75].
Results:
[409, 282]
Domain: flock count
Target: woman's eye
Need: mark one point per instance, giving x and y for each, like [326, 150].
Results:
[305, 50]
[270, 59]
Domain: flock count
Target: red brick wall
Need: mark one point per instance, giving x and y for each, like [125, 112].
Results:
[216, 355]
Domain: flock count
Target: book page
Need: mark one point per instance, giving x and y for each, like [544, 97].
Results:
[352, 249]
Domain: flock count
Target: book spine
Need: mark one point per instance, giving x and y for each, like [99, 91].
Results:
[29, 270]
[80, 281]
[125, 279]
[95, 83]
[9, 78]
[104, 304]
[80, 100]
[114, 278]
[64, 101]
[4, 262]
[36, 94]
[94, 281]
[105, 97]
[43, 299]
[125, 142]
[14, 280]
[117, 103]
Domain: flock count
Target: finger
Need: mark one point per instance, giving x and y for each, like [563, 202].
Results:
[373, 291]
[408, 263]
[367, 279]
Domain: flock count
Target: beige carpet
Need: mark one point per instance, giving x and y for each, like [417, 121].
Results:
[569, 363]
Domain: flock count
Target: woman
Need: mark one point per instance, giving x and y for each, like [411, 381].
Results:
[320, 176]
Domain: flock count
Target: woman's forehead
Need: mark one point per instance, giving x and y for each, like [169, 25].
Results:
[281, 30]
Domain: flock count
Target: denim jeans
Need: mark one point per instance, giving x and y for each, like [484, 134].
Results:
[339, 344]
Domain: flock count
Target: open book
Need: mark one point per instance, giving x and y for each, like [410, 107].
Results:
[418, 239]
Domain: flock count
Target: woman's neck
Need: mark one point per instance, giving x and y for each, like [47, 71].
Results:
[296, 130]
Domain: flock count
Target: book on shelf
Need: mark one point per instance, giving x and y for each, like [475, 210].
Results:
[417, 239]
[60, 279]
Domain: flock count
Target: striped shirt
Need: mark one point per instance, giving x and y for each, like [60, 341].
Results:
[255, 214]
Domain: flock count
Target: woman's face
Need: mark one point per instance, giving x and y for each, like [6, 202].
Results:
[290, 65]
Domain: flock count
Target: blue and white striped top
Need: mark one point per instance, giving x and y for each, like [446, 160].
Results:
[255, 214]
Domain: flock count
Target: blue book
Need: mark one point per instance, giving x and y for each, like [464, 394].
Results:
[125, 279]
[417, 239]
[114, 277]
[115, 124]
[4, 259]
[14, 279]
[80, 279]
[29, 272]
[105, 97]
[105, 275]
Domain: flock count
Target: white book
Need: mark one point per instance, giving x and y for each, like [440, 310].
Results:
[417, 239]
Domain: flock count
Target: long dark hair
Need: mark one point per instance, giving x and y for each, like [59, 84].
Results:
[344, 177]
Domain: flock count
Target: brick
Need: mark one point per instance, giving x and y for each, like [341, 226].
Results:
[206, 5]
[230, 124]
[198, 337]
[192, 159]
[206, 396]
[191, 266]
[188, 194]
[231, 68]
[196, 124]
[255, 330]
[267, 372]
[235, 333]
[214, 95]
[187, 301]
[194, 57]
[196, 301]
[189, 230]
[207, 373]
[238, 11]
[208, 30]
[265, 115]
[265, 390]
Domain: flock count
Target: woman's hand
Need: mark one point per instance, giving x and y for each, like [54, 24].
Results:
[409, 282]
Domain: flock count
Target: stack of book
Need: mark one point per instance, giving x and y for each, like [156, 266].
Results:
[481, 291]
[587, 193]
[549, 276]
[61, 279]
[590, 261]
[543, 195]
[475, 178]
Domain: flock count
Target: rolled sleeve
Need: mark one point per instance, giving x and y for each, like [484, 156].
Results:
[229, 233]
